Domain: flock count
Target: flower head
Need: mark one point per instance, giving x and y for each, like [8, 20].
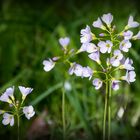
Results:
[132, 23]
[8, 119]
[88, 47]
[98, 24]
[115, 84]
[48, 65]
[105, 46]
[77, 69]
[64, 42]
[127, 35]
[28, 111]
[25, 91]
[7, 96]
[115, 60]
[137, 36]
[125, 45]
[127, 64]
[95, 56]
[87, 72]
[97, 83]
[107, 18]
[129, 77]
[86, 35]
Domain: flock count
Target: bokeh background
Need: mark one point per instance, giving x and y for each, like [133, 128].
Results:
[29, 33]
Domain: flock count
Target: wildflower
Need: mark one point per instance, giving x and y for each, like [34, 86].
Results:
[48, 65]
[131, 23]
[115, 84]
[105, 46]
[137, 36]
[127, 64]
[120, 112]
[115, 60]
[95, 56]
[97, 83]
[7, 96]
[98, 24]
[67, 86]
[86, 35]
[28, 111]
[88, 47]
[8, 119]
[87, 72]
[76, 69]
[127, 35]
[64, 42]
[129, 77]
[125, 45]
[107, 18]
[25, 91]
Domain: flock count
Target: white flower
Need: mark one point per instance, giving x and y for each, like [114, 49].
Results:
[105, 46]
[132, 23]
[115, 84]
[120, 112]
[88, 47]
[76, 69]
[8, 95]
[127, 35]
[48, 65]
[98, 24]
[28, 111]
[125, 45]
[64, 42]
[115, 60]
[67, 86]
[97, 83]
[86, 35]
[137, 36]
[8, 119]
[107, 18]
[95, 56]
[129, 77]
[87, 72]
[127, 64]
[25, 91]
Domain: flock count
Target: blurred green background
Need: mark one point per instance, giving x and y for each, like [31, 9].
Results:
[29, 33]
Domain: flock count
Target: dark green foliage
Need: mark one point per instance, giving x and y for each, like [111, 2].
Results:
[29, 33]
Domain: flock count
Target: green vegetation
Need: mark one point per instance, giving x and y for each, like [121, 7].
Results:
[29, 34]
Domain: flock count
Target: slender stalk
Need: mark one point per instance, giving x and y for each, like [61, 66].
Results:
[105, 110]
[109, 111]
[63, 113]
[18, 123]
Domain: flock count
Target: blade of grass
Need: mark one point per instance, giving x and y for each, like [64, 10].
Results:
[74, 101]
[46, 93]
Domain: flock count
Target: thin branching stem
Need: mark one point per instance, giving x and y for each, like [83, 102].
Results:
[109, 111]
[18, 124]
[63, 112]
[105, 109]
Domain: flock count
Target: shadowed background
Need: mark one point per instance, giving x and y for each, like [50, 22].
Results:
[29, 33]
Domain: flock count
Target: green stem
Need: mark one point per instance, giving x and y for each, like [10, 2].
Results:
[109, 111]
[18, 123]
[105, 110]
[63, 113]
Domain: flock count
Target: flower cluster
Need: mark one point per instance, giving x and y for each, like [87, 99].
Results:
[16, 107]
[108, 49]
